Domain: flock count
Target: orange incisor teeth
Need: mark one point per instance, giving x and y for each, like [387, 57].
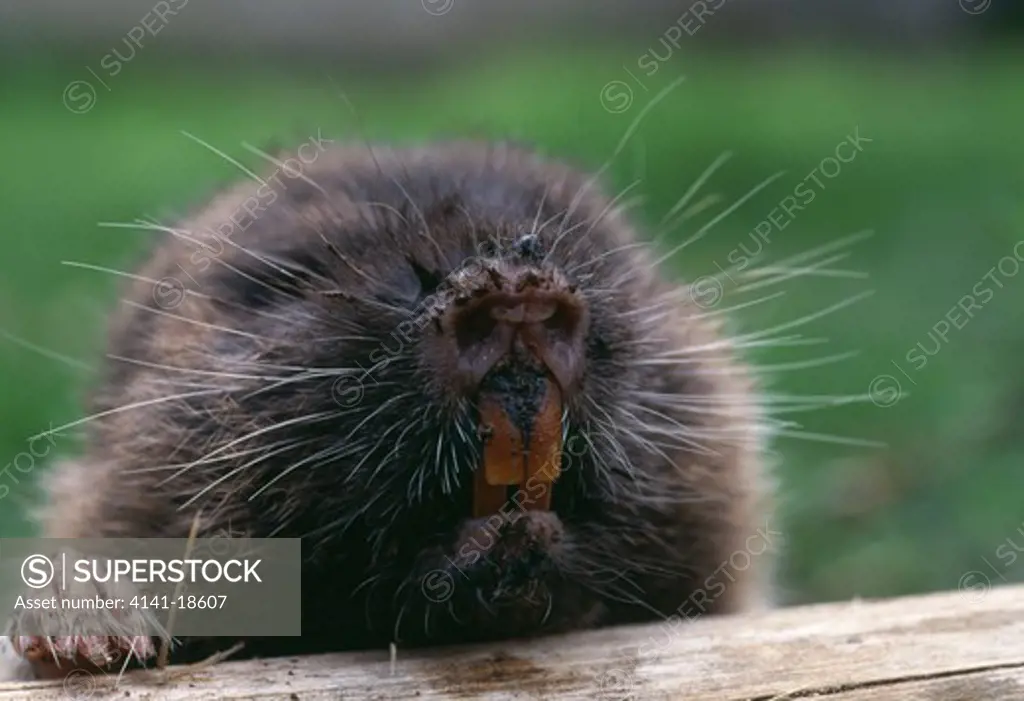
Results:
[508, 462]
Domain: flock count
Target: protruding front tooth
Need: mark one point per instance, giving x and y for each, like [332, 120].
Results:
[503, 460]
[544, 463]
[503, 449]
[508, 462]
[488, 499]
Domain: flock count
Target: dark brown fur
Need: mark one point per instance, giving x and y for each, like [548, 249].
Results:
[341, 266]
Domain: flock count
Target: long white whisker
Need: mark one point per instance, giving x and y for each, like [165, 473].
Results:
[290, 445]
[839, 243]
[194, 322]
[826, 438]
[785, 275]
[225, 156]
[737, 307]
[601, 215]
[193, 371]
[725, 213]
[630, 130]
[784, 367]
[45, 352]
[129, 407]
[698, 183]
[806, 318]
[280, 164]
[253, 434]
[540, 208]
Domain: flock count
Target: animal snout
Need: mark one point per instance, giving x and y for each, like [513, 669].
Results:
[519, 312]
[524, 309]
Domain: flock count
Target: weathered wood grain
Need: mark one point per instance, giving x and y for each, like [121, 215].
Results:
[943, 647]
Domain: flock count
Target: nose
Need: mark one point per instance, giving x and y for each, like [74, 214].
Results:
[512, 312]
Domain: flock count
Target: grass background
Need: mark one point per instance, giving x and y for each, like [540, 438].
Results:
[940, 184]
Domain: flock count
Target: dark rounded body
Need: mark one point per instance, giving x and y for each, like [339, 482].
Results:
[286, 362]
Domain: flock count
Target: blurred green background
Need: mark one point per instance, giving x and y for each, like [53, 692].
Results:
[940, 184]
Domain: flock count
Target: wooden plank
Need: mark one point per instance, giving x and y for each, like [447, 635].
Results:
[942, 646]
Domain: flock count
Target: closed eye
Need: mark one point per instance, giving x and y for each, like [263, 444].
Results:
[429, 279]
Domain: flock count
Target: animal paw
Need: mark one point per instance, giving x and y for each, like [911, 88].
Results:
[54, 656]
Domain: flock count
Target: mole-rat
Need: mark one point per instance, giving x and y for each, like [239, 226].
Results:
[382, 360]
